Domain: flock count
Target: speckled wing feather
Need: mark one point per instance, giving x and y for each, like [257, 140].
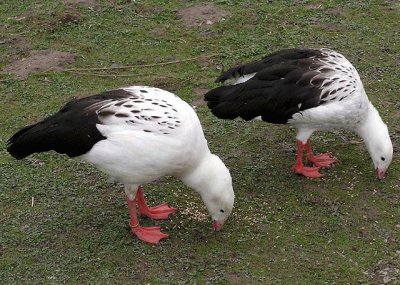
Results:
[141, 111]
[73, 130]
[284, 83]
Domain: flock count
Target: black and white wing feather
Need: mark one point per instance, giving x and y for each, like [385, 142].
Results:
[75, 128]
[282, 84]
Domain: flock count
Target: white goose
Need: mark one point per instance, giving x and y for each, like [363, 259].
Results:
[136, 135]
[311, 89]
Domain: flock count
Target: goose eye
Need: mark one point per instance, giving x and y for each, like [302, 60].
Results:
[222, 211]
[382, 158]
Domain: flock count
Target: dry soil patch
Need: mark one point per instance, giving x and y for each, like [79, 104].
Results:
[40, 60]
[202, 14]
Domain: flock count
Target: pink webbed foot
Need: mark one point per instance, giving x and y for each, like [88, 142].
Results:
[324, 160]
[160, 212]
[309, 172]
[299, 168]
[151, 235]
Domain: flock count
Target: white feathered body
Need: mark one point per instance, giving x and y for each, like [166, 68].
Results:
[162, 136]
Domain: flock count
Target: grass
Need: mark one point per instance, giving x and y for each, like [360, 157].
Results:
[343, 229]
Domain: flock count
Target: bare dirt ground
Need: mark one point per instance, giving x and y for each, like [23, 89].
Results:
[39, 61]
[198, 94]
[202, 14]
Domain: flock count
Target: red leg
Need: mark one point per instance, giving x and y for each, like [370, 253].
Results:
[321, 160]
[160, 212]
[299, 168]
[148, 234]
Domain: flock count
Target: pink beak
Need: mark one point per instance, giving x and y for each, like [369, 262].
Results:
[380, 174]
[217, 225]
